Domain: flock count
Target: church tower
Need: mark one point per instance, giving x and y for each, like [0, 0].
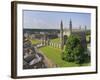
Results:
[61, 35]
[85, 28]
[80, 28]
[70, 26]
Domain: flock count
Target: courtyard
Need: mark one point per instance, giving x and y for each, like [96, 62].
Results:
[54, 54]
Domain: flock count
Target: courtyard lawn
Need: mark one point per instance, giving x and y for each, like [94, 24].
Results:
[35, 41]
[54, 54]
[56, 40]
[87, 40]
[87, 37]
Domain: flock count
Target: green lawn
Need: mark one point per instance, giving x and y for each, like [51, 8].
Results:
[87, 37]
[35, 41]
[57, 40]
[87, 40]
[54, 54]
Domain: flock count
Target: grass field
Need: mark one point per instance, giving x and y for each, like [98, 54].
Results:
[57, 40]
[54, 54]
[87, 37]
[87, 40]
[35, 41]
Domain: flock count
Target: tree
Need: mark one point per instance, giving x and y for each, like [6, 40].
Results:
[73, 50]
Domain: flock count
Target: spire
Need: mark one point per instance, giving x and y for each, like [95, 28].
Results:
[80, 27]
[61, 35]
[85, 28]
[61, 25]
[70, 26]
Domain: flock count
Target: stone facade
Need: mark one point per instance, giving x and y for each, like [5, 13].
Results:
[78, 32]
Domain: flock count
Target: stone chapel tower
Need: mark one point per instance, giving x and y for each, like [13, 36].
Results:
[70, 26]
[61, 35]
[85, 28]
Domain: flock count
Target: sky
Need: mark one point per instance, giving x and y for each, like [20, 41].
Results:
[51, 19]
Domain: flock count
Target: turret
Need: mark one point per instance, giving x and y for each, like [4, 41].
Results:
[61, 35]
[70, 26]
[80, 27]
[85, 28]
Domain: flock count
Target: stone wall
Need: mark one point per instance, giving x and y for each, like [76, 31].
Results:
[55, 45]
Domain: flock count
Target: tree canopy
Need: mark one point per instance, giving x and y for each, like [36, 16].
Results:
[73, 50]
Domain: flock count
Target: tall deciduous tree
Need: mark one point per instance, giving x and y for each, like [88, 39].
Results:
[73, 51]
